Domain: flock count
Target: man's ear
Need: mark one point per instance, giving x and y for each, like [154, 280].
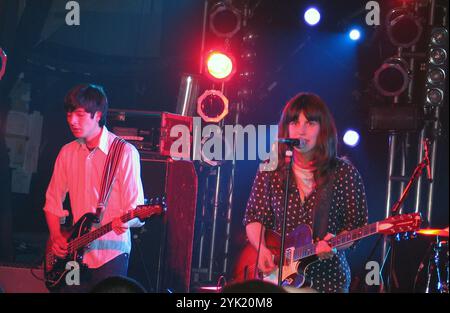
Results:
[98, 116]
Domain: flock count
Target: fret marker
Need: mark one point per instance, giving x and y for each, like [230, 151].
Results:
[384, 226]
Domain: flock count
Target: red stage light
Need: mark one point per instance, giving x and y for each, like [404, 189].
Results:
[220, 66]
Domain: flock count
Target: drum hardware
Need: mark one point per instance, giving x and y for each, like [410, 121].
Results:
[437, 277]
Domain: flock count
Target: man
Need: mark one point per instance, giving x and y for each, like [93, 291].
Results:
[79, 171]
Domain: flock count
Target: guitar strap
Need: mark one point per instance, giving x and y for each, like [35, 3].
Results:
[322, 207]
[109, 173]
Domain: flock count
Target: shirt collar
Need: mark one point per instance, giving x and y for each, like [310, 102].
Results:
[103, 143]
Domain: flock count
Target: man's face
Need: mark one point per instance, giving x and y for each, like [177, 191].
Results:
[82, 124]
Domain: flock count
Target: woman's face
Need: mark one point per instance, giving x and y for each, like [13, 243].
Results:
[306, 130]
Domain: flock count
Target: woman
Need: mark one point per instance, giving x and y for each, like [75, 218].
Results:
[316, 170]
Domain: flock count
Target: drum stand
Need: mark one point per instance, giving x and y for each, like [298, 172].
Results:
[434, 266]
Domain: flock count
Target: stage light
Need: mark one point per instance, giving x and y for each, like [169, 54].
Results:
[351, 138]
[247, 66]
[249, 38]
[437, 67]
[435, 96]
[224, 20]
[436, 76]
[312, 16]
[439, 36]
[220, 66]
[438, 56]
[392, 78]
[212, 106]
[403, 28]
[354, 34]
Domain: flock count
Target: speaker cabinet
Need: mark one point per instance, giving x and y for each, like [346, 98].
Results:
[161, 254]
[17, 279]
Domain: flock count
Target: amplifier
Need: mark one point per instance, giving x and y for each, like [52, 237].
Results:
[16, 278]
[149, 131]
[161, 257]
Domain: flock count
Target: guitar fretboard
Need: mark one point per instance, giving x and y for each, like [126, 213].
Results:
[84, 240]
[339, 240]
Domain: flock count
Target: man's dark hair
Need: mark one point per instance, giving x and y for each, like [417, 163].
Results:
[90, 97]
[118, 284]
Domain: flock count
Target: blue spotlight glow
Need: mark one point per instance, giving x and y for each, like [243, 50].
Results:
[351, 138]
[312, 16]
[354, 34]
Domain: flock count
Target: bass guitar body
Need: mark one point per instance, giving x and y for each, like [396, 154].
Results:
[56, 268]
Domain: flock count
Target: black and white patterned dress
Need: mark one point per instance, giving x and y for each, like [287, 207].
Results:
[348, 211]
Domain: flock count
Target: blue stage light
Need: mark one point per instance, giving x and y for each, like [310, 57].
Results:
[351, 138]
[354, 34]
[312, 16]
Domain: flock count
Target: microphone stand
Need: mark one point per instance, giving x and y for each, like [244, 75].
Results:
[395, 209]
[288, 159]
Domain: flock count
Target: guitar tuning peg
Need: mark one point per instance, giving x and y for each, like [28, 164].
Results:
[398, 237]
[406, 236]
[413, 235]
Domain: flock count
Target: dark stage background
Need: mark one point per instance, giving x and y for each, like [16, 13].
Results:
[138, 51]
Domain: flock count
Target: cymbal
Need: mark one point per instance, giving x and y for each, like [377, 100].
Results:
[434, 232]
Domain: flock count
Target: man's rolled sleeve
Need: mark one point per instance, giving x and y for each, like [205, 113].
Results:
[130, 182]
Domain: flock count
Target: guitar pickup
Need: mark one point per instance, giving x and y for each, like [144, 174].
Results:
[289, 256]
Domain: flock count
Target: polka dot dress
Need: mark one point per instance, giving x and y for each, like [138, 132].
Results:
[348, 211]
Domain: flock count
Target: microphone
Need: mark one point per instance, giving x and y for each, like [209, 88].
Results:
[293, 142]
[427, 160]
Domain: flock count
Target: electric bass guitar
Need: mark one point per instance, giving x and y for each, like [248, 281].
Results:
[301, 251]
[79, 236]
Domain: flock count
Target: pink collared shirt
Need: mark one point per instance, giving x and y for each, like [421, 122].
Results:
[79, 171]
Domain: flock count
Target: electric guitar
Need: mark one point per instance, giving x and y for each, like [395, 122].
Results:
[301, 251]
[79, 236]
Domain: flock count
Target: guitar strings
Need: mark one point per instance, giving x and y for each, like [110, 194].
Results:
[79, 242]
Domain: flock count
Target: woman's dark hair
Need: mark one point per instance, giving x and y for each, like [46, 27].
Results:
[90, 97]
[314, 109]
